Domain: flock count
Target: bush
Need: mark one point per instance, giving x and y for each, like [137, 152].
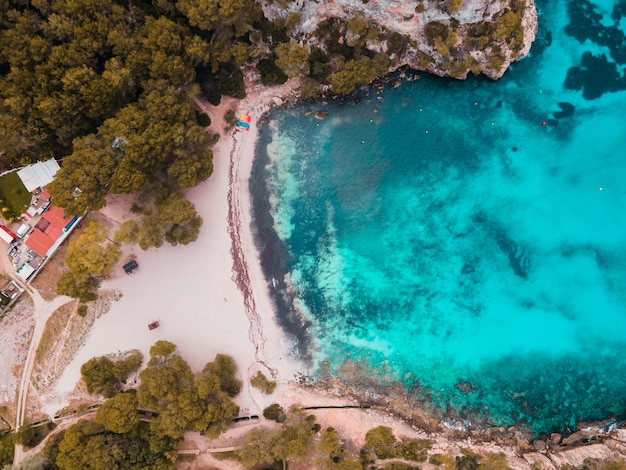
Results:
[275, 412]
[203, 119]
[467, 461]
[271, 74]
[7, 448]
[435, 30]
[397, 43]
[496, 62]
[260, 382]
[30, 436]
[231, 118]
[452, 6]
[82, 310]
[99, 376]
[381, 441]
[445, 460]
[230, 81]
[413, 449]
[495, 462]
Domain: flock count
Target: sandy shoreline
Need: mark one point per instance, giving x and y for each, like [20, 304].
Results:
[210, 296]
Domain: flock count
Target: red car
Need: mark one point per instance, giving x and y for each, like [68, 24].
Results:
[153, 325]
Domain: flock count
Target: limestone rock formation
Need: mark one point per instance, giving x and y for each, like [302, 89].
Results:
[448, 37]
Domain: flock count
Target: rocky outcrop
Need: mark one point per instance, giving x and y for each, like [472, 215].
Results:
[592, 442]
[447, 37]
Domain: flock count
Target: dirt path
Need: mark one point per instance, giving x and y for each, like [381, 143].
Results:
[42, 310]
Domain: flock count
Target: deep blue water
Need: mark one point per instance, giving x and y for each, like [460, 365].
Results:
[466, 239]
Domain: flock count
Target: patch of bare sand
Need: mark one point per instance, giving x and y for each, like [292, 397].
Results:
[16, 331]
[64, 334]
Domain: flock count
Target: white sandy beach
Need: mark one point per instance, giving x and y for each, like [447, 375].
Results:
[191, 290]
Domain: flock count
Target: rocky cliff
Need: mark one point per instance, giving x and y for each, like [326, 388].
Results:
[445, 37]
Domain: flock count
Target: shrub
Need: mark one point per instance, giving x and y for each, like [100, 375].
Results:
[82, 310]
[413, 449]
[231, 118]
[30, 436]
[397, 43]
[381, 441]
[275, 412]
[496, 62]
[434, 30]
[203, 119]
[467, 461]
[494, 462]
[452, 6]
[260, 382]
[271, 74]
[7, 448]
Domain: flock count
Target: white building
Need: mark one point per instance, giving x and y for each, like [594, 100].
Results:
[38, 175]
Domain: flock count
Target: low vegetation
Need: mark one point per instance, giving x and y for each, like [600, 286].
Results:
[14, 197]
[31, 436]
[262, 383]
[102, 376]
[275, 412]
[7, 449]
[380, 443]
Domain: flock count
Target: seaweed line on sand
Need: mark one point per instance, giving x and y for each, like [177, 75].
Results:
[241, 276]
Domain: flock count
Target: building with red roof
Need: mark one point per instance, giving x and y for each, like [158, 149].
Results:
[39, 242]
[48, 230]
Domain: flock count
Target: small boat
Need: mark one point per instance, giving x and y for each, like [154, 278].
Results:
[153, 325]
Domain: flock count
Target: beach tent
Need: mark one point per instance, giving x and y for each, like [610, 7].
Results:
[244, 122]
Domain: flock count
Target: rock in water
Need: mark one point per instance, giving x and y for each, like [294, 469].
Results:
[321, 114]
[567, 109]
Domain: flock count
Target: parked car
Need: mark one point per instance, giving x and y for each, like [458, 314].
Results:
[131, 266]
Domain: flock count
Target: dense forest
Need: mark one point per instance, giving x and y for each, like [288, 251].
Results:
[106, 86]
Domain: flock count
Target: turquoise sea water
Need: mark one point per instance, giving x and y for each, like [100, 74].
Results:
[466, 239]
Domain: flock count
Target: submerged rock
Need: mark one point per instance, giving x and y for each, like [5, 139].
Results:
[567, 109]
[321, 114]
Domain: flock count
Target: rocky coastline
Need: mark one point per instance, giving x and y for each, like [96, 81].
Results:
[590, 445]
[446, 38]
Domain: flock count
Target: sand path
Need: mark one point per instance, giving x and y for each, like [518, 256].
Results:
[43, 309]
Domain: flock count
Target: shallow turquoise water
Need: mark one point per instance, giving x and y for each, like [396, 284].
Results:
[466, 239]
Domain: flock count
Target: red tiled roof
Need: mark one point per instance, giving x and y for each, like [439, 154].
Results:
[55, 215]
[39, 242]
[53, 231]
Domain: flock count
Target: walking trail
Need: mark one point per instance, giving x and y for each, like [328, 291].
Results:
[43, 309]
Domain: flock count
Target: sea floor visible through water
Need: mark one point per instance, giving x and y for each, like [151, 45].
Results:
[465, 239]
